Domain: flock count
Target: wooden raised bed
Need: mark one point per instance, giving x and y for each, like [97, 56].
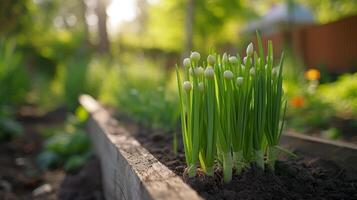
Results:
[129, 171]
[343, 154]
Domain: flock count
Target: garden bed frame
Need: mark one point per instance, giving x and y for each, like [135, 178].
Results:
[342, 153]
[129, 171]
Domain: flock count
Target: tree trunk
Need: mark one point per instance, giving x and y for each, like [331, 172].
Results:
[103, 45]
[86, 41]
[189, 21]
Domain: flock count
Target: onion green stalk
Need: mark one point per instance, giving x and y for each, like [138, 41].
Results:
[232, 110]
[242, 111]
[208, 141]
[185, 94]
[225, 101]
[276, 106]
[259, 106]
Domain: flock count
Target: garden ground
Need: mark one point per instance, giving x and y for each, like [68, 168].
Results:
[20, 176]
[302, 178]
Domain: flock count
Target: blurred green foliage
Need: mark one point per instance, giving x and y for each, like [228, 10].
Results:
[215, 24]
[305, 109]
[144, 91]
[341, 94]
[13, 88]
[331, 133]
[50, 44]
[314, 106]
[48, 58]
[74, 80]
[67, 146]
[75, 76]
[331, 10]
[9, 127]
[13, 75]
[324, 10]
[14, 15]
[313, 114]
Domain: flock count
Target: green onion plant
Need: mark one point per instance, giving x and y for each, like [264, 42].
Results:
[232, 110]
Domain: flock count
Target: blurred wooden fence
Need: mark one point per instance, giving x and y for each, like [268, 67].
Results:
[332, 46]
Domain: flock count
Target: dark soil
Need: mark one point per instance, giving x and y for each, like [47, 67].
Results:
[303, 178]
[20, 176]
[84, 185]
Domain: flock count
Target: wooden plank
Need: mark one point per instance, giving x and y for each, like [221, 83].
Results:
[344, 154]
[129, 171]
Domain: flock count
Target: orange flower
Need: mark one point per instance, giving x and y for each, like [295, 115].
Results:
[297, 101]
[312, 74]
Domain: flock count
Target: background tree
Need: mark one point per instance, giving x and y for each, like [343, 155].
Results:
[103, 43]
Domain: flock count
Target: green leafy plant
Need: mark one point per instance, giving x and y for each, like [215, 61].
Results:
[146, 94]
[231, 110]
[68, 146]
[74, 80]
[311, 113]
[331, 133]
[341, 94]
[13, 75]
[13, 88]
[9, 127]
